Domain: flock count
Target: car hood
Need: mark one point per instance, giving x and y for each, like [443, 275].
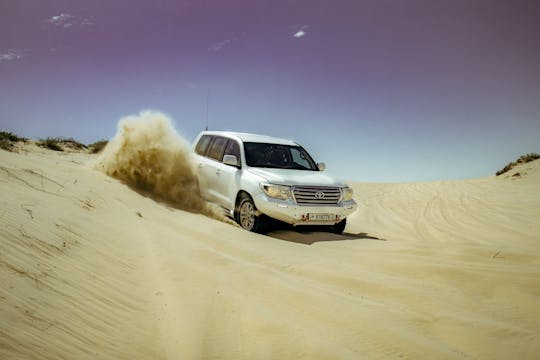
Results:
[296, 177]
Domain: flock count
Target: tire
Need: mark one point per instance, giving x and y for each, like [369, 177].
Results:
[246, 216]
[339, 227]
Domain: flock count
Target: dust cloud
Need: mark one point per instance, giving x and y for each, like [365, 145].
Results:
[150, 156]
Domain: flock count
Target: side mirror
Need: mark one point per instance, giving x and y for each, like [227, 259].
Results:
[321, 166]
[231, 160]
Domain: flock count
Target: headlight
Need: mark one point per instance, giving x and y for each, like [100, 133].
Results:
[347, 194]
[277, 191]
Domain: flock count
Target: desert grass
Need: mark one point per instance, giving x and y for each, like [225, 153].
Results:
[98, 146]
[521, 160]
[60, 144]
[7, 140]
[50, 143]
[10, 136]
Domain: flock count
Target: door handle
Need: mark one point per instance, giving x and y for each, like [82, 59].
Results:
[200, 165]
[218, 171]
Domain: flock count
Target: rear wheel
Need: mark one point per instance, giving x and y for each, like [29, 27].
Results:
[339, 227]
[247, 218]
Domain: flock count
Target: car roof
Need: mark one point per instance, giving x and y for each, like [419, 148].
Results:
[246, 137]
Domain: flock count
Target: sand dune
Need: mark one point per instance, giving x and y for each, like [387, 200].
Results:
[91, 269]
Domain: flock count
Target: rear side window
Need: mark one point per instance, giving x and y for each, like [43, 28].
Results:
[217, 148]
[202, 146]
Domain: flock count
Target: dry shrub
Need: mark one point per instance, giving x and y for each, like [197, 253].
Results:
[7, 140]
[6, 145]
[51, 143]
[521, 160]
[98, 146]
[73, 144]
[60, 144]
[6, 135]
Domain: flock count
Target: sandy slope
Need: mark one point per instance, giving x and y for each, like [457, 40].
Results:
[91, 269]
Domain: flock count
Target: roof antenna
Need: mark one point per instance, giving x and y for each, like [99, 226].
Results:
[206, 127]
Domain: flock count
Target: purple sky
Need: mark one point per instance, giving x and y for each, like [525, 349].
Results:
[380, 90]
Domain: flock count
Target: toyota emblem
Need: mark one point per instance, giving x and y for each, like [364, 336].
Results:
[319, 195]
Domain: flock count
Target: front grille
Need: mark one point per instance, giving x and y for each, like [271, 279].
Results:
[315, 195]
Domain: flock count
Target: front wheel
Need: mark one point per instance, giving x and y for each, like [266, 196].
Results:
[339, 227]
[247, 217]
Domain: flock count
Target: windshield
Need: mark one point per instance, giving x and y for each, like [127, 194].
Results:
[278, 156]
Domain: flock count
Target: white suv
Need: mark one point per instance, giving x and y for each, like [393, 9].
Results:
[256, 177]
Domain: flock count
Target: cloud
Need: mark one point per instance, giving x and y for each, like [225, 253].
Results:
[67, 20]
[300, 32]
[13, 54]
[220, 45]
[62, 20]
[87, 22]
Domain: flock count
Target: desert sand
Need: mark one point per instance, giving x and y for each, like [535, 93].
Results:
[91, 269]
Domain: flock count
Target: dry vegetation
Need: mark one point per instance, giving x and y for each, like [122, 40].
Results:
[50, 143]
[60, 144]
[73, 144]
[522, 160]
[98, 146]
[7, 140]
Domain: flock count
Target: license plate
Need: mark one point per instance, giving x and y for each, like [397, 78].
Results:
[322, 217]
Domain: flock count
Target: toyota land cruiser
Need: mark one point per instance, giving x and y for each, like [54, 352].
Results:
[256, 177]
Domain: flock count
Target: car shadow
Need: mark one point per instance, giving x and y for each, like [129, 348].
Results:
[309, 235]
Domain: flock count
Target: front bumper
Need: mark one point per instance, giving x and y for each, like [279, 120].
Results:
[292, 213]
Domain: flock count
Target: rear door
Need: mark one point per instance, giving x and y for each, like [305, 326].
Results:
[227, 177]
[212, 167]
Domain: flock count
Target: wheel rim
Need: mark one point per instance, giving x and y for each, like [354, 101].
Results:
[247, 215]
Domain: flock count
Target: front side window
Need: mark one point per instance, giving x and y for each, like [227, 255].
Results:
[300, 158]
[233, 149]
[278, 156]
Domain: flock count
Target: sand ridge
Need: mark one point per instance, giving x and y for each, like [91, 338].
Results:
[92, 269]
